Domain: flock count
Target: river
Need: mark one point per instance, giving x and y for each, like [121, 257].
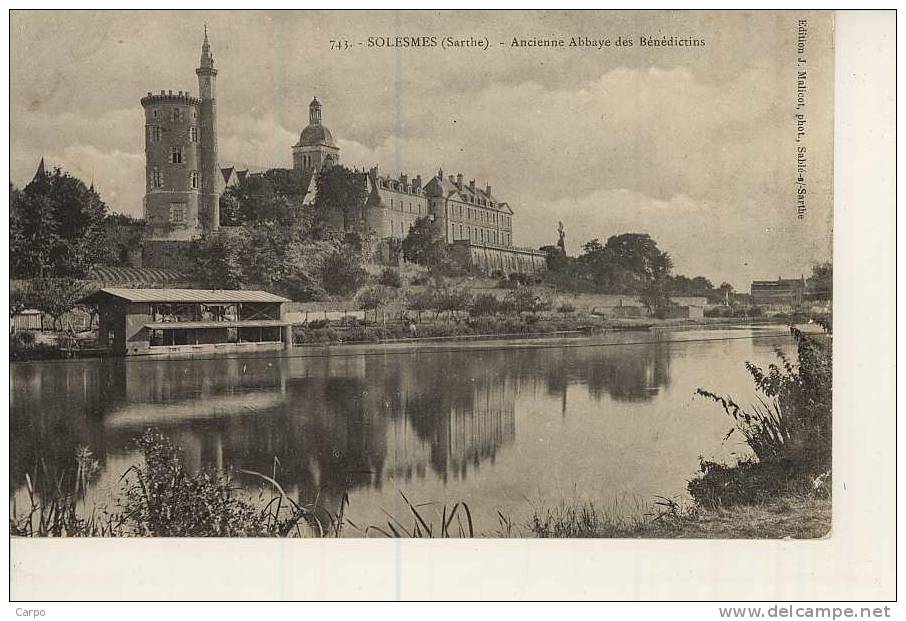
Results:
[502, 425]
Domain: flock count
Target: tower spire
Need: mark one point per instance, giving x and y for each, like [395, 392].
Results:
[40, 174]
[314, 112]
[207, 59]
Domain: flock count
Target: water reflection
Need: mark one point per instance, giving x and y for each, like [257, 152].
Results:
[324, 425]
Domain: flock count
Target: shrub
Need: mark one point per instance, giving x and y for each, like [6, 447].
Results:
[526, 299]
[24, 338]
[789, 427]
[566, 308]
[317, 324]
[341, 272]
[390, 278]
[484, 304]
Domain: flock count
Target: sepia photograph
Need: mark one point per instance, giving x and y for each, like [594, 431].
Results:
[321, 274]
[303, 276]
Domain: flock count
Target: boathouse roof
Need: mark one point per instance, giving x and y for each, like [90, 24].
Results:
[184, 295]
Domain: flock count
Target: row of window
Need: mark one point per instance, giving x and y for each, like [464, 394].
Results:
[155, 132]
[165, 338]
[401, 206]
[398, 187]
[157, 179]
[480, 215]
[489, 236]
[177, 115]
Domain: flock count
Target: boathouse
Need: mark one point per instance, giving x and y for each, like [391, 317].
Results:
[172, 321]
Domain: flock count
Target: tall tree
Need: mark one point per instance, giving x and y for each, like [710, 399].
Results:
[272, 196]
[339, 200]
[57, 227]
[425, 244]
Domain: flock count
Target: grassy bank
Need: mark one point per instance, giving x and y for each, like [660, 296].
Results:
[805, 516]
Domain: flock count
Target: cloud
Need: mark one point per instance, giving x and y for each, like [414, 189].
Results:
[648, 132]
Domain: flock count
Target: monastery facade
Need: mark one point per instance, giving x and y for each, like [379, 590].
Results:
[184, 183]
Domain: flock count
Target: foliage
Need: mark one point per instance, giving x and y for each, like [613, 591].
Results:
[452, 300]
[19, 298]
[56, 296]
[526, 300]
[274, 196]
[821, 282]
[453, 521]
[341, 271]
[655, 297]
[339, 201]
[56, 227]
[698, 286]
[486, 304]
[790, 423]
[566, 308]
[627, 263]
[370, 298]
[390, 278]
[425, 244]
[268, 255]
[162, 498]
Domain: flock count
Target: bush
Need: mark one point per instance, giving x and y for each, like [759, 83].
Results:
[341, 272]
[746, 482]
[566, 308]
[24, 338]
[317, 324]
[164, 499]
[789, 428]
[390, 278]
[485, 304]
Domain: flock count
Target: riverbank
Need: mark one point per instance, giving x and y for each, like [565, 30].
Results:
[790, 516]
[24, 346]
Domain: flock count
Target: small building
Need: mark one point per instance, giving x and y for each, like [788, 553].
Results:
[780, 292]
[167, 321]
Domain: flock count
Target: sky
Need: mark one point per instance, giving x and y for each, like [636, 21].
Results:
[693, 145]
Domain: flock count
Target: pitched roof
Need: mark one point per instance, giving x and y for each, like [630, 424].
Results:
[446, 186]
[185, 295]
[147, 275]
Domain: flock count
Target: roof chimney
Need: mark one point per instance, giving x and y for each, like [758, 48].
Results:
[404, 179]
[417, 184]
[459, 180]
[472, 185]
[488, 190]
[440, 174]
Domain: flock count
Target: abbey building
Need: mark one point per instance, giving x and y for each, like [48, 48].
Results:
[184, 183]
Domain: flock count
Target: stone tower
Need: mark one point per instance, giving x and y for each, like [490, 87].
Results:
[182, 193]
[211, 179]
[316, 148]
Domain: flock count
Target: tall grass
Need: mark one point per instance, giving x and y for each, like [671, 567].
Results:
[787, 426]
[442, 522]
[162, 498]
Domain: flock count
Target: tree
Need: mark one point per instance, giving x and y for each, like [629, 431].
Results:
[218, 259]
[19, 299]
[57, 296]
[56, 227]
[655, 296]
[274, 196]
[485, 304]
[341, 271]
[821, 281]
[339, 201]
[525, 299]
[425, 244]
[373, 297]
[420, 300]
[627, 263]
